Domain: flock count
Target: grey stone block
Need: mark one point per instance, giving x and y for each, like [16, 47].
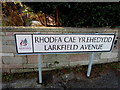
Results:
[77, 57]
[6, 54]
[44, 69]
[7, 38]
[62, 64]
[32, 59]
[55, 57]
[79, 63]
[9, 66]
[21, 70]
[8, 48]
[8, 42]
[14, 60]
[2, 33]
[97, 55]
[105, 60]
[113, 59]
[109, 55]
[43, 65]
[30, 65]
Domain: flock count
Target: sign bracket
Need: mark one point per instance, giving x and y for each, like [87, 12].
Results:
[40, 69]
[90, 64]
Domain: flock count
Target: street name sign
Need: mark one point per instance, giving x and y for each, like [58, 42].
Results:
[63, 43]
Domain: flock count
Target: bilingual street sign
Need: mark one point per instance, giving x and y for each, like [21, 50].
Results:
[63, 43]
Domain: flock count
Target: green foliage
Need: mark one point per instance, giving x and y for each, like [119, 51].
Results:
[115, 66]
[81, 14]
[7, 77]
[11, 14]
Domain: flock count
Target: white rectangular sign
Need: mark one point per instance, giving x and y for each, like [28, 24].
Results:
[63, 43]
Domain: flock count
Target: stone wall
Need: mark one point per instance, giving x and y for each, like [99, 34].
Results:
[13, 63]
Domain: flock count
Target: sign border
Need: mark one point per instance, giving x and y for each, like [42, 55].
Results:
[28, 53]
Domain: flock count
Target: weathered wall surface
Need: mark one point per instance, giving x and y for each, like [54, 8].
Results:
[13, 63]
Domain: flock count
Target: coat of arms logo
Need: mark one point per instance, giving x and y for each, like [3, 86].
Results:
[23, 42]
